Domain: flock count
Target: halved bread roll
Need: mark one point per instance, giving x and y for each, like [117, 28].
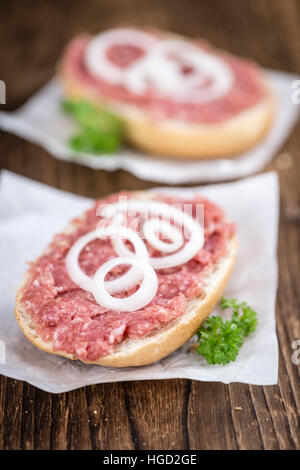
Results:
[161, 341]
[217, 128]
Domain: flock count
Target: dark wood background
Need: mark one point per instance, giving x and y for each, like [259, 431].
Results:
[170, 414]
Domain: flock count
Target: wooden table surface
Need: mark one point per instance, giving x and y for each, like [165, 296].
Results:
[170, 414]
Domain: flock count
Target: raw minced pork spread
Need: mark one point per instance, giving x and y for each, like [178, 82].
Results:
[68, 316]
[247, 91]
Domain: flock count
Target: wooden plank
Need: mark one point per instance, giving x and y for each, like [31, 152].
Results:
[79, 436]
[210, 420]
[157, 411]
[173, 413]
[109, 422]
[12, 415]
[28, 415]
[59, 425]
[3, 381]
[42, 420]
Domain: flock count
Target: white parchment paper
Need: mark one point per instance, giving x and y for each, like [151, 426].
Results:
[41, 121]
[30, 213]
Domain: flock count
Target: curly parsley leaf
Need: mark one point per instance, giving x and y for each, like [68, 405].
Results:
[219, 340]
[101, 131]
[92, 141]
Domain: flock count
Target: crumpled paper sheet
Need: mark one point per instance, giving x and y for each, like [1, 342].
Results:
[30, 213]
[41, 121]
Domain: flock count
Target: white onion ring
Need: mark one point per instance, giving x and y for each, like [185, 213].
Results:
[124, 282]
[72, 261]
[153, 227]
[142, 267]
[157, 68]
[133, 275]
[190, 249]
[188, 87]
[99, 64]
[145, 293]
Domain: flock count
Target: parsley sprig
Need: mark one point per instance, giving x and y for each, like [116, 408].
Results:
[100, 131]
[219, 340]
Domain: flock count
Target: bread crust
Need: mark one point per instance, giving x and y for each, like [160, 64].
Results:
[160, 343]
[178, 139]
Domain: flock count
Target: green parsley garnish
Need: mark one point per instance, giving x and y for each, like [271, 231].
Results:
[101, 131]
[219, 340]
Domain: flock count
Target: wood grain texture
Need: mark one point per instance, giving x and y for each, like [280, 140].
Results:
[171, 414]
